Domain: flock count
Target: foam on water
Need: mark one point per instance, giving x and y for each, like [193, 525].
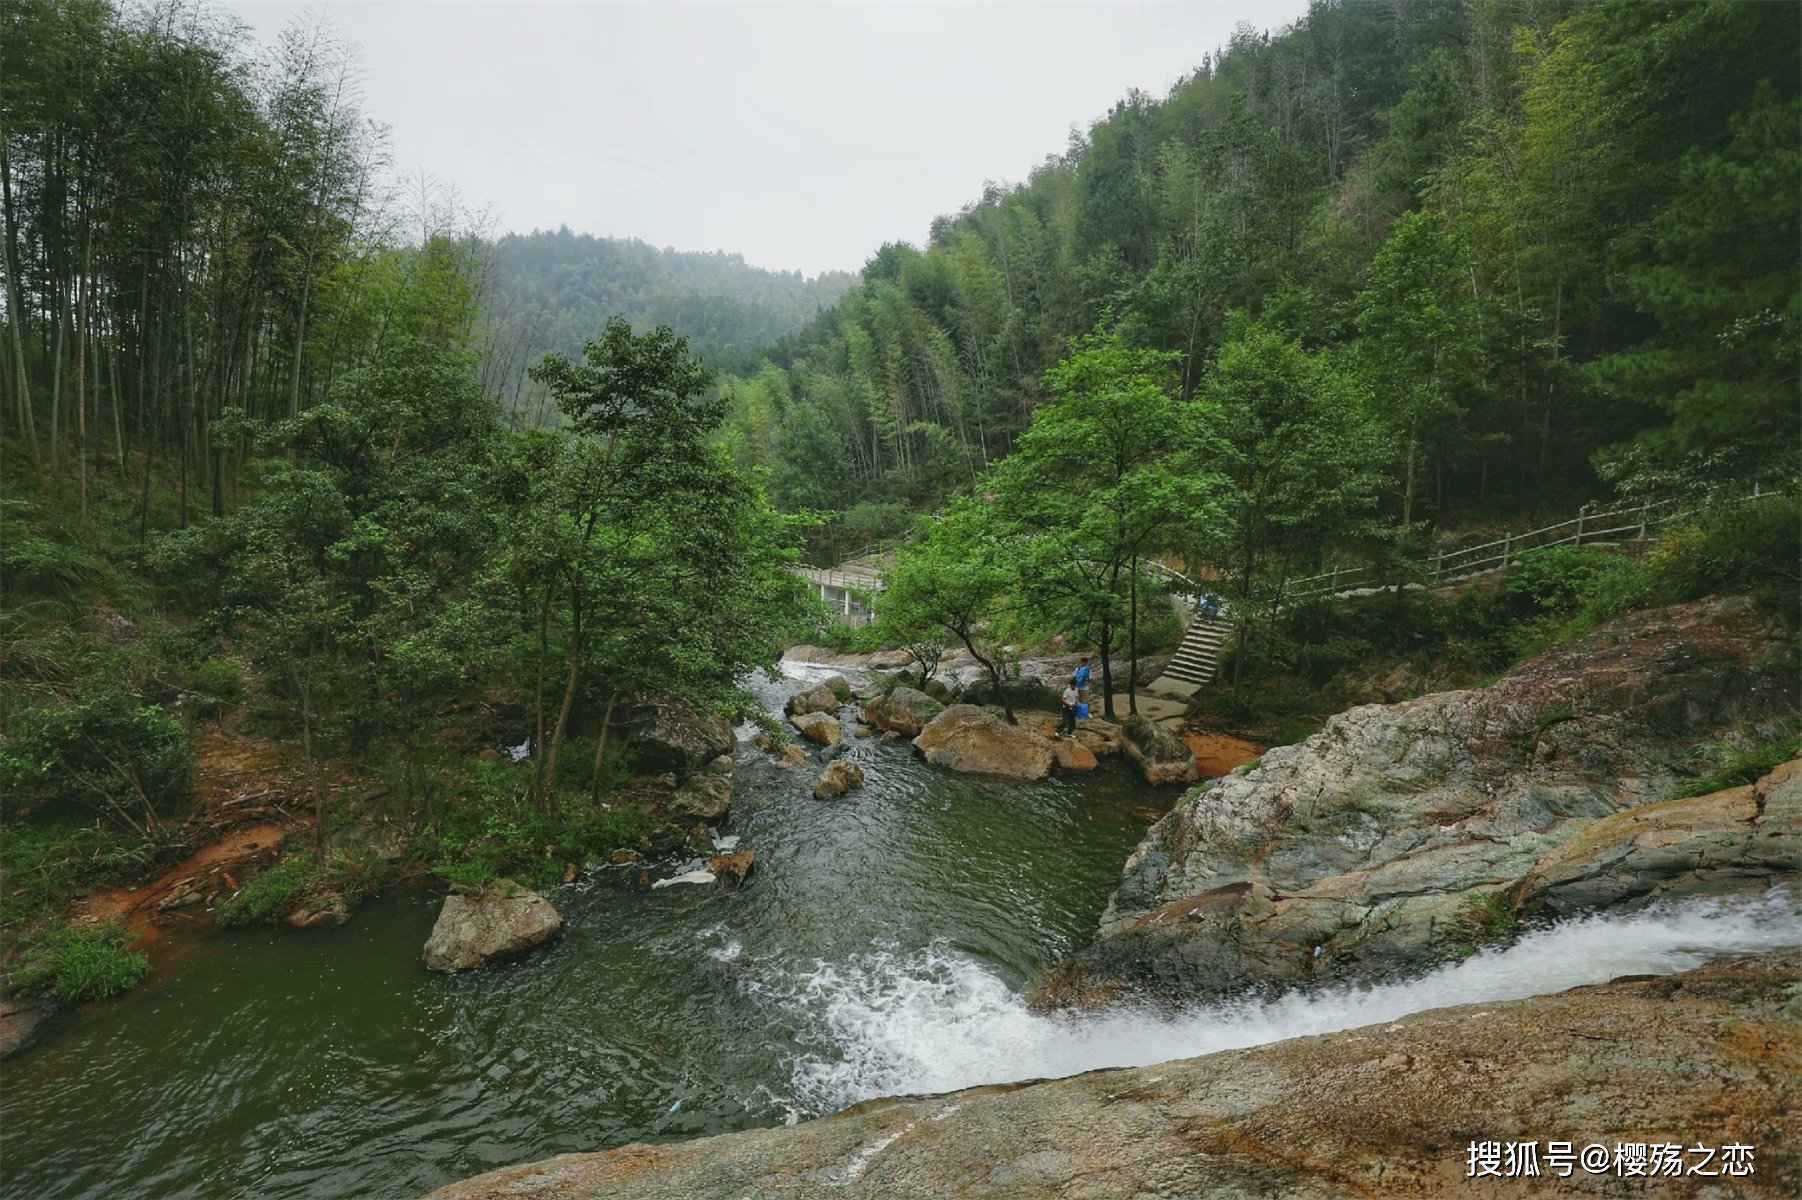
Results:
[937, 1021]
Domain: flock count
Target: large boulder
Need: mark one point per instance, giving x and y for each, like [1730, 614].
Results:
[1160, 754]
[1387, 1110]
[903, 711]
[501, 921]
[839, 777]
[705, 797]
[938, 689]
[818, 728]
[967, 738]
[816, 699]
[839, 686]
[672, 735]
[1402, 834]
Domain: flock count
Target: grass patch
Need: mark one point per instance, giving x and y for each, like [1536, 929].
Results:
[46, 864]
[1737, 764]
[1486, 920]
[264, 898]
[79, 964]
[1556, 714]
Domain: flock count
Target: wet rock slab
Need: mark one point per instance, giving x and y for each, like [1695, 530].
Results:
[1382, 1111]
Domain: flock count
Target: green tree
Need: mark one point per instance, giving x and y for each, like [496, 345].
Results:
[956, 579]
[1117, 467]
[1419, 341]
[1302, 456]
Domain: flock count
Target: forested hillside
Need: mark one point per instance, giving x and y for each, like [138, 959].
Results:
[1539, 241]
[554, 290]
[262, 450]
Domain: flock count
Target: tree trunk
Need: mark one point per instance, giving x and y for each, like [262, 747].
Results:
[15, 308]
[549, 789]
[300, 334]
[84, 313]
[544, 625]
[994, 670]
[56, 384]
[600, 747]
[313, 772]
[1132, 641]
[1106, 646]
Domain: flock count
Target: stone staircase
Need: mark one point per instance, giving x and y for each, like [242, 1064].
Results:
[1196, 660]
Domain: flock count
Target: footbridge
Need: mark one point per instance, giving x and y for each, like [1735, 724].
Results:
[846, 585]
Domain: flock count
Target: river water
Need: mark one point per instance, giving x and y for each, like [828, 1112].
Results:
[881, 948]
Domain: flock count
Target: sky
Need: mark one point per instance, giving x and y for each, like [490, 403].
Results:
[802, 136]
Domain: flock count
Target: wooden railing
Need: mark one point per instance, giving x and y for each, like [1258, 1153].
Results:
[1618, 523]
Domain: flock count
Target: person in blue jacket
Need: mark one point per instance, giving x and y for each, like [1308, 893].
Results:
[1081, 679]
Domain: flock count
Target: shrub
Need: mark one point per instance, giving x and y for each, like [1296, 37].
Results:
[1732, 547]
[80, 964]
[1558, 578]
[216, 683]
[107, 750]
[264, 898]
[494, 828]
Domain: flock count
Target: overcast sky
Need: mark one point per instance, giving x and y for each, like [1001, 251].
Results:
[800, 135]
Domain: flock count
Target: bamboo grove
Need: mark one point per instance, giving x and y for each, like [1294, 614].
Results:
[1553, 238]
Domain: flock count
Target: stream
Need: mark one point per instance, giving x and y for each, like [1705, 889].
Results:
[881, 947]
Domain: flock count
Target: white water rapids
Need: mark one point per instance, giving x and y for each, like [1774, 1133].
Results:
[935, 1021]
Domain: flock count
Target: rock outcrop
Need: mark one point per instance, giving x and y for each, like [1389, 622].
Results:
[904, 711]
[1696, 845]
[705, 797]
[839, 777]
[1101, 737]
[1072, 755]
[816, 699]
[672, 735]
[1707, 1057]
[818, 728]
[967, 738]
[1161, 755]
[880, 660]
[1372, 845]
[501, 921]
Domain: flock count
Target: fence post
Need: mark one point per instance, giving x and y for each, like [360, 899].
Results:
[1438, 563]
[1645, 507]
[1581, 513]
[1755, 489]
[1507, 542]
